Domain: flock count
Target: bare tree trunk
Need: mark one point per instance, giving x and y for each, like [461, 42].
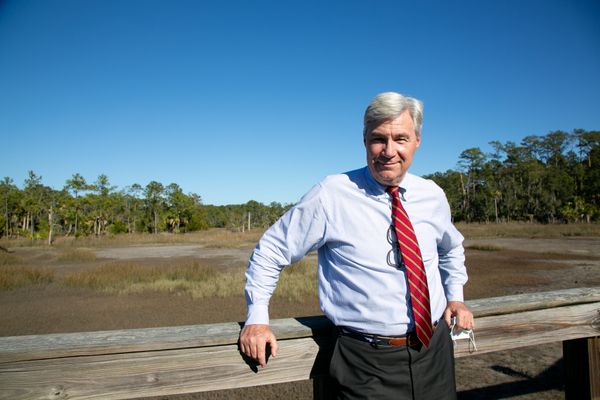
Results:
[465, 197]
[155, 222]
[32, 224]
[249, 216]
[76, 219]
[50, 225]
[496, 208]
[6, 216]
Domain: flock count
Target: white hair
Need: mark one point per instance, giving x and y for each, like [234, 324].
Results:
[389, 105]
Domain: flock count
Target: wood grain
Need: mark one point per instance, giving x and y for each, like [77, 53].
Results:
[504, 332]
[181, 337]
[34, 347]
[533, 301]
[152, 373]
[176, 360]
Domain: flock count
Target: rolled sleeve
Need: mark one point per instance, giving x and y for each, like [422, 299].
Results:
[454, 293]
[257, 314]
[297, 232]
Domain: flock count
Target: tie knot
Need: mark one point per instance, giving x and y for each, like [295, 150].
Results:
[393, 190]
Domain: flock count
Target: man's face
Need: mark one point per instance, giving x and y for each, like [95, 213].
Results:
[390, 149]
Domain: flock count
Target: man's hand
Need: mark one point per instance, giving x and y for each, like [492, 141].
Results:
[464, 317]
[253, 342]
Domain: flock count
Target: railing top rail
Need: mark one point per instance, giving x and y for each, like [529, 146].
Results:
[22, 348]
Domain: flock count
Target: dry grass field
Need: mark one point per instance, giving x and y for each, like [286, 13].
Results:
[165, 280]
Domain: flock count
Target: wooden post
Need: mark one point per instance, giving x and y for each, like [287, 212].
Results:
[582, 368]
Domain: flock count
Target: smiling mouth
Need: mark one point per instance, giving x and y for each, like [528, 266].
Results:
[387, 164]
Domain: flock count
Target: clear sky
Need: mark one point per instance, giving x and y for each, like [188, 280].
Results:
[259, 100]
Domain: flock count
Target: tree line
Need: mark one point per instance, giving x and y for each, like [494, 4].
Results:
[548, 179]
[80, 208]
[551, 178]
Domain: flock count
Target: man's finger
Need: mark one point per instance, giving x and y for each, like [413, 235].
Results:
[260, 352]
[464, 319]
[253, 342]
[274, 346]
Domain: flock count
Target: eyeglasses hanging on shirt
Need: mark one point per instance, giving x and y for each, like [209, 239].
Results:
[394, 256]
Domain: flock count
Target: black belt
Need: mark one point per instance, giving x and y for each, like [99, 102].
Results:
[410, 339]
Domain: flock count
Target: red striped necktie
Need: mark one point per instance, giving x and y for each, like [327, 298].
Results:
[415, 270]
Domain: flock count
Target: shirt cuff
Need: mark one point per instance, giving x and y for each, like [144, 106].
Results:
[454, 293]
[257, 314]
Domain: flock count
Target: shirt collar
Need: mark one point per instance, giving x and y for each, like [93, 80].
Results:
[374, 188]
[377, 189]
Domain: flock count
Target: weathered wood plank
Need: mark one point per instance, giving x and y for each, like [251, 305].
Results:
[155, 373]
[35, 347]
[533, 301]
[503, 332]
[152, 373]
[137, 340]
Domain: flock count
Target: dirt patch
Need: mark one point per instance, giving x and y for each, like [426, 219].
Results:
[507, 272]
[496, 268]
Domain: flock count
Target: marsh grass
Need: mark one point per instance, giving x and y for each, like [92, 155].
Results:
[521, 229]
[13, 276]
[76, 255]
[9, 259]
[222, 238]
[215, 238]
[484, 247]
[298, 281]
[225, 238]
[190, 277]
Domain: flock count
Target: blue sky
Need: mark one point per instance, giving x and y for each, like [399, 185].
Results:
[241, 100]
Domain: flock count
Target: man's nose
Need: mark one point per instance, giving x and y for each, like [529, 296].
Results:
[388, 150]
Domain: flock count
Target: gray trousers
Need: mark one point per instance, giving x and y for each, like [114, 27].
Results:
[363, 371]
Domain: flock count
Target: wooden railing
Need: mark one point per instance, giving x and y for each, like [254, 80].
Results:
[175, 360]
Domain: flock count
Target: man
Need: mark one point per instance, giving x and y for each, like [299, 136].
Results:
[379, 231]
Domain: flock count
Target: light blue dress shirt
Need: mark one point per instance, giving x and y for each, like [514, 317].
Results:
[362, 283]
